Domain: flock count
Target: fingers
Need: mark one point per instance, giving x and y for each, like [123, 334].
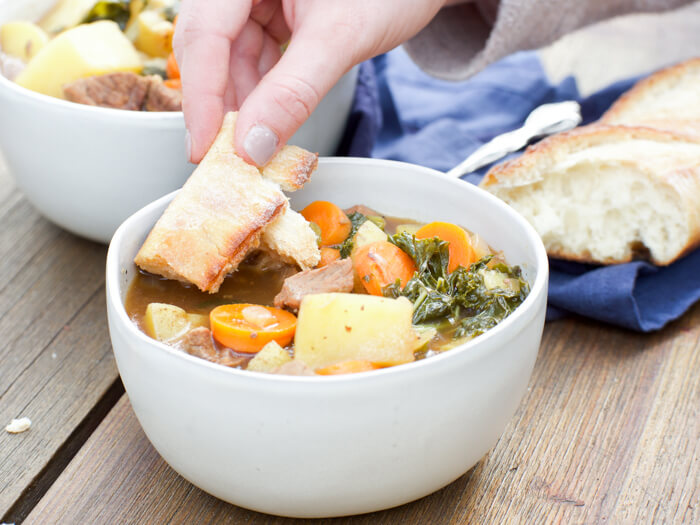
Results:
[269, 55]
[287, 95]
[245, 55]
[202, 42]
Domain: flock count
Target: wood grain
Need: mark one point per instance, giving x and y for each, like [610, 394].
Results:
[608, 432]
[55, 358]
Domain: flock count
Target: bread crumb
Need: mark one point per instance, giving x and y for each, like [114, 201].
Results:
[17, 426]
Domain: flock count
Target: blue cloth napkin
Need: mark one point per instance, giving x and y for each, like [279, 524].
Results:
[401, 113]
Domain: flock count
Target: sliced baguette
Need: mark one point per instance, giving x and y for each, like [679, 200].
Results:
[607, 194]
[216, 219]
[291, 168]
[291, 237]
[668, 99]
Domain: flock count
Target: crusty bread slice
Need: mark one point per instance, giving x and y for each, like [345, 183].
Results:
[668, 99]
[223, 211]
[291, 168]
[291, 237]
[215, 219]
[607, 194]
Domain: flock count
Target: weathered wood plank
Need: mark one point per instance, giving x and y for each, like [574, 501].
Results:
[55, 357]
[608, 430]
[56, 391]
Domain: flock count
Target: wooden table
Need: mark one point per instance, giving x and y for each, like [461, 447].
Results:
[609, 430]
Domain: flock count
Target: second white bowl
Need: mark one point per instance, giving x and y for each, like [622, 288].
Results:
[87, 168]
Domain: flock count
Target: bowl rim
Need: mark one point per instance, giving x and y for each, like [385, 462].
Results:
[476, 348]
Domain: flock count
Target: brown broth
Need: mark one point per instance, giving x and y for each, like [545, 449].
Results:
[248, 284]
[255, 281]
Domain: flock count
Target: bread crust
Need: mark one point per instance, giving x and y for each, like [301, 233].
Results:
[291, 168]
[681, 179]
[668, 99]
[215, 220]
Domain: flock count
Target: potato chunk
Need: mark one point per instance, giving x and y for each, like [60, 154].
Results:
[269, 359]
[339, 327]
[165, 322]
[154, 35]
[66, 14]
[22, 39]
[86, 50]
[367, 233]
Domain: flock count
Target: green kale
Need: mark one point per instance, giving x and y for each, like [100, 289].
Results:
[172, 11]
[152, 69]
[117, 11]
[460, 301]
[357, 220]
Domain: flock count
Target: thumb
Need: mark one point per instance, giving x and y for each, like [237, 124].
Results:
[287, 95]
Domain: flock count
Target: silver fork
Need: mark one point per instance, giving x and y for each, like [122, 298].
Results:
[542, 121]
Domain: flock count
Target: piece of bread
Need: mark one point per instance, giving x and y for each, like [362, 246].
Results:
[291, 237]
[668, 99]
[215, 220]
[291, 168]
[607, 194]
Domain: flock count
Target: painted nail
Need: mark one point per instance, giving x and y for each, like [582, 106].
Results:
[260, 143]
[188, 144]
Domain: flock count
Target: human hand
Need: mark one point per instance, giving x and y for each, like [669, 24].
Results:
[230, 59]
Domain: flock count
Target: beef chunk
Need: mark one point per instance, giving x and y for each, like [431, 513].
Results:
[162, 98]
[364, 210]
[199, 343]
[113, 90]
[124, 91]
[335, 277]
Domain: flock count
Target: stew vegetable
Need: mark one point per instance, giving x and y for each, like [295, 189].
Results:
[386, 292]
[116, 53]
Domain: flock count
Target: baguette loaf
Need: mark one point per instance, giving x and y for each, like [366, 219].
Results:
[668, 99]
[607, 194]
[218, 217]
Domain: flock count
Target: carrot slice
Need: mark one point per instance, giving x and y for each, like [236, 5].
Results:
[460, 246]
[328, 255]
[171, 68]
[248, 327]
[381, 263]
[173, 83]
[348, 367]
[334, 224]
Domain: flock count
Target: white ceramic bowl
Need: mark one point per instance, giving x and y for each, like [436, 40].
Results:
[87, 168]
[331, 446]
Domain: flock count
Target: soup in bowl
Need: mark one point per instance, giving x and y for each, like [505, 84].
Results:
[331, 445]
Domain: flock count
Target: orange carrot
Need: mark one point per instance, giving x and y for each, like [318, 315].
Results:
[171, 68]
[335, 225]
[173, 83]
[249, 327]
[460, 246]
[381, 263]
[328, 255]
[348, 367]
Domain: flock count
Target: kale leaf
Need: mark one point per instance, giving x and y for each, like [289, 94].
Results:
[117, 11]
[357, 219]
[461, 300]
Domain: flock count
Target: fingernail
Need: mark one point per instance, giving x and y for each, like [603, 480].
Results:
[188, 144]
[260, 143]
